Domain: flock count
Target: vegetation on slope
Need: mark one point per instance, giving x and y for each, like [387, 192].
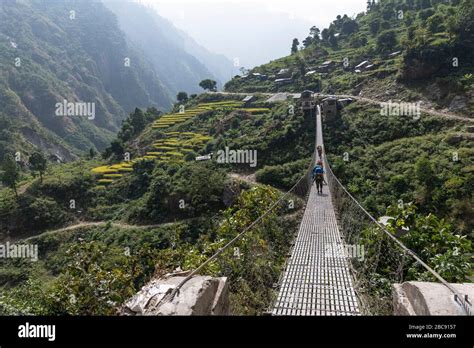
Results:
[74, 51]
[432, 43]
[200, 206]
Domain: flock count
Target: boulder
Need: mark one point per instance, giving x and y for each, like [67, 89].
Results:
[201, 295]
[426, 298]
[458, 103]
[435, 91]
[453, 139]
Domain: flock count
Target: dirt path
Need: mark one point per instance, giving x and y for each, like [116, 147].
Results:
[250, 178]
[94, 224]
[443, 114]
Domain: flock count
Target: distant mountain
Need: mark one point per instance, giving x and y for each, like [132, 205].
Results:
[219, 64]
[179, 61]
[72, 51]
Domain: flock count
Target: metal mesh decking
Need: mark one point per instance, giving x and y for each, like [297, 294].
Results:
[317, 279]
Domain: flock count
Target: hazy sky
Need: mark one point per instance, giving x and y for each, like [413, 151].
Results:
[254, 31]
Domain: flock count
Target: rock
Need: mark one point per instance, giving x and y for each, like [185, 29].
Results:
[453, 139]
[470, 129]
[201, 295]
[457, 103]
[435, 91]
[220, 305]
[231, 192]
[425, 298]
[401, 304]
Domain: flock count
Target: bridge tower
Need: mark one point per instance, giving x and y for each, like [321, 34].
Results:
[307, 101]
[329, 108]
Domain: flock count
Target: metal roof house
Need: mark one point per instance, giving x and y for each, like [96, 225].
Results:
[283, 81]
[248, 99]
[284, 73]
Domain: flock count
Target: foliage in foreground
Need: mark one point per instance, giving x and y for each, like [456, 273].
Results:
[92, 276]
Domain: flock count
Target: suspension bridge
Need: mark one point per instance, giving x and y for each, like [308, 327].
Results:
[320, 277]
[317, 279]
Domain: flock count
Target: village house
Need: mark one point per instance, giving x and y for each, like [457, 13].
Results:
[326, 66]
[248, 100]
[284, 74]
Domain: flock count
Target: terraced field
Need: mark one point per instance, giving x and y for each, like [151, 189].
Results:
[184, 115]
[172, 145]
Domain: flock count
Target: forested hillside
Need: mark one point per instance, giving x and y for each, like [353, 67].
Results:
[53, 54]
[159, 197]
[166, 208]
[418, 168]
[76, 51]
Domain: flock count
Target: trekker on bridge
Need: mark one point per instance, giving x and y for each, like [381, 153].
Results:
[319, 148]
[318, 176]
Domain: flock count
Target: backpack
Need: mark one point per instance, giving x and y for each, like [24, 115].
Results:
[318, 171]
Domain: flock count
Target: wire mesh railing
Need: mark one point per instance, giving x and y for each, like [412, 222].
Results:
[241, 255]
[382, 258]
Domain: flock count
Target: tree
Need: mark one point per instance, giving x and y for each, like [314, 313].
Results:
[451, 27]
[308, 41]
[138, 121]
[325, 34]
[208, 84]
[182, 97]
[409, 19]
[38, 164]
[387, 40]
[10, 173]
[243, 70]
[423, 15]
[425, 3]
[358, 41]
[92, 153]
[374, 26]
[424, 172]
[465, 22]
[294, 46]
[116, 149]
[332, 39]
[301, 67]
[349, 26]
[314, 33]
[435, 23]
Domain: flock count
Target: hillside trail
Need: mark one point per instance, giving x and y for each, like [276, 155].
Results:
[442, 114]
[22, 189]
[248, 178]
[97, 224]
